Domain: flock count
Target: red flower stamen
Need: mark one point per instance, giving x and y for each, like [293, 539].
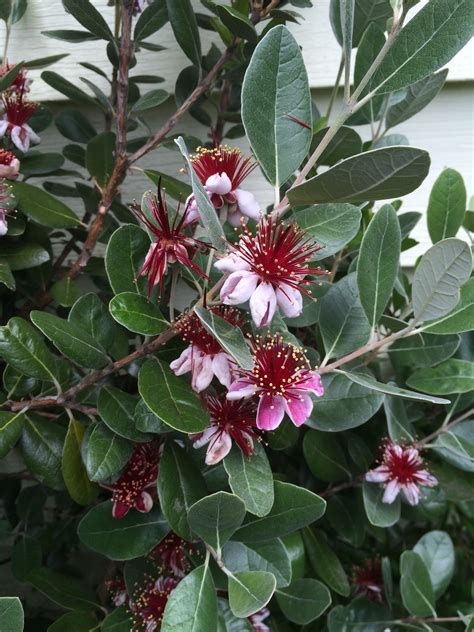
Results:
[368, 580]
[191, 330]
[148, 603]
[171, 555]
[17, 111]
[237, 418]
[222, 159]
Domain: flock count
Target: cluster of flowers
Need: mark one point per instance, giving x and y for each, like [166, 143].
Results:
[15, 131]
[167, 564]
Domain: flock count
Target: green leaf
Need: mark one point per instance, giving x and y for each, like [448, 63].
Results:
[42, 448]
[71, 340]
[180, 485]
[107, 453]
[43, 207]
[325, 562]
[152, 18]
[36, 163]
[11, 614]
[100, 157]
[170, 398]
[89, 313]
[380, 514]
[399, 427]
[6, 276]
[345, 404]
[304, 600]
[117, 411]
[124, 257]
[89, 17]
[22, 255]
[361, 615]
[75, 126]
[417, 96]
[250, 591]
[207, 211]
[438, 276]
[173, 187]
[9, 77]
[378, 262]
[456, 446]
[192, 604]
[424, 350]
[452, 376]
[23, 347]
[294, 507]
[229, 336]
[11, 427]
[237, 23]
[344, 325]
[437, 552]
[43, 62]
[132, 536]
[431, 39]
[415, 585]
[185, 29]
[152, 99]
[332, 225]
[447, 205]
[251, 479]
[66, 87]
[276, 82]
[117, 621]
[74, 622]
[345, 143]
[392, 389]
[461, 318]
[215, 518]
[374, 175]
[365, 13]
[26, 556]
[65, 591]
[81, 490]
[66, 292]
[137, 314]
[325, 457]
[268, 556]
[146, 421]
[70, 35]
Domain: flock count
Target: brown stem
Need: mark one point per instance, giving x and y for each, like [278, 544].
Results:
[445, 428]
[330, 491]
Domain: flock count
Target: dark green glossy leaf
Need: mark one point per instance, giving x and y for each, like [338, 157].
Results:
[269, 556]
[456, 446]
[43, 62]
[117, 410]
[153, 18]
[132, 536]
[304, 600]
[276, 82]
[26, 556]
[66, 87]
[89, 17]
[100, 158]
[399, 427]
[237, 23]
[250, 591]
[172, 186]
[365, 12]
[325, 457]
[215, 518]
[452, 376]
[66, 292]
[107, 453]
[74, 622]
[124, 257]
[380, 514]
[65, 591]
[137, 314]
[374, 175]
[43, 207]
[6, 276]
[81, 490]
[151, 99]
[70, 35]
[180, 485]
[22, 255]
[11, 614]
[184, 25]
[361, 615]
[42, 445]
[437, 552]
[90, 313]
[11, 427]
[325, 562]
[71, 340]
[415, 585]
[36, 163]
[24, 348]
[170, 398]
[345, 143]
[447, 205]
[424, 350]
[75, 126]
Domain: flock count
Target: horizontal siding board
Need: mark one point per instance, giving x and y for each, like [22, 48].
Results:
[320, 49]
[445, 129]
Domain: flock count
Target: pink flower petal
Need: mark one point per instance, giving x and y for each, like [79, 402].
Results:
[231, 263]
[380, 474]
[182, 365]
[205, 437]
[219, 183]
[144, 502]
[218, 448]
[270, 413]
[20, 137]
[299, 408]
[3, 128]
[3, 226]
[412, 493]
[263, 304]
[391, 491]
[423, 477]
[120, 510]
[247, 204]
[289, 300]
[240, 390]
[221, 364]
[314, 384]
[202, 372]
[235, 218]
[239, 287]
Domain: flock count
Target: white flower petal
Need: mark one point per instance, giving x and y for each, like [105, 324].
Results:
[391, 491]
[219, 183]
[231, 263]
[182, 365]
[239, 287]
[289, 300]
[263, 304]
[247, 204]
[221, 365]
[218, 448]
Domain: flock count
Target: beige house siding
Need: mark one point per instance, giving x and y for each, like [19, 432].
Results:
[445, 128]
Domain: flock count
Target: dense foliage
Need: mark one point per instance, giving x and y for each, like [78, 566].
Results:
[239, 418]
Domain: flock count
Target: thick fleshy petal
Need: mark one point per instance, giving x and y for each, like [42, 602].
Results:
[3, 128]
[221, 365]
[205, 437]
[299, 409]
[33, 136]
[270, 413]
[144, 502]
[119, 509]
[3, 225]
[314, 384]
[423, 477]
[247, 204]
[231, 263]
[202, 372]
[191, 210]
[289, 300]
[218, 448]
[239, 287]
[10, 171]
[235, 218]
[20, 137]
[380, 474]
[219, 183]
[411, 493]
[182, 365]
[263, 304]
[391, 491]
[240, 389]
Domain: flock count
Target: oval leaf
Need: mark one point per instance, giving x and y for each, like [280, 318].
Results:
[134, 312]
[215, 518]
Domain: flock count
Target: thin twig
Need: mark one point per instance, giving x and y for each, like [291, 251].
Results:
[445, 428]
